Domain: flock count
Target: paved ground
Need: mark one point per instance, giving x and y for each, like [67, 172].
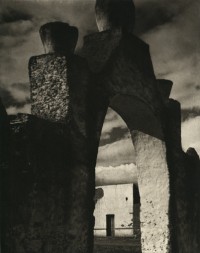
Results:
[116, 245]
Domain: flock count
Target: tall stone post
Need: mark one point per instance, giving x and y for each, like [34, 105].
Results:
[122, 65]
[4, 157]
[59, 88]
[184, 175]
[52, 180]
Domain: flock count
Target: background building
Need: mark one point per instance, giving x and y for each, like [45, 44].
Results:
[117, 210]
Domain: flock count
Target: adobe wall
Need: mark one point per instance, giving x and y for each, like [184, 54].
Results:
[116, 200]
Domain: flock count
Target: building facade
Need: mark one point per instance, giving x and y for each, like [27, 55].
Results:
[117, 210]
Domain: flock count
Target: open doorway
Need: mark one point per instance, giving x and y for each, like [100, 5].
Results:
[110, 225]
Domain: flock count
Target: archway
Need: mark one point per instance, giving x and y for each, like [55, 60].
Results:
[116, 178]
[153, 176]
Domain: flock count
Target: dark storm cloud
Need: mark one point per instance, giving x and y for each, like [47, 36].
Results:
[156, 16]
[16, 29]
[9, 15]
[152, 13]
[190, 113]
[116, 134]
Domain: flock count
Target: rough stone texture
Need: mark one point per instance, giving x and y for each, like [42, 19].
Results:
[154, 187]
[185, 191]
[49, 87]
[49, 209]
[73, 108]
[51, 176]
[123, 65]
[193, 199]
[55, 81]
[137, 115]
[123, 71]
[4, 149]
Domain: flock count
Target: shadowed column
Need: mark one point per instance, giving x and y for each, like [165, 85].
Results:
[51, 177]
[4, 158]
[185, 190]
[59, 86]
[122, 66]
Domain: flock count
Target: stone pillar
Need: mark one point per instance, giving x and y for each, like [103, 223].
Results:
[4, 155]
[185, 191]
[64, 90]
[121, 65]
[154, 187]
[192, 190]
[53, 181]
[4, 134]
[50, 72]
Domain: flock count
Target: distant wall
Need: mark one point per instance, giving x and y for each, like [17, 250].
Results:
[117, 200]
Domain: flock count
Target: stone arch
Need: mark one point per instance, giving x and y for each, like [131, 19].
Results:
[153, 174]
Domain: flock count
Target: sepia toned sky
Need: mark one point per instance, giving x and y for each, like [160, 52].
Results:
[171, 27]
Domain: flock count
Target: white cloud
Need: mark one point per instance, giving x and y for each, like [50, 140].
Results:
[117, 153]
[191, 134]
[123, 174]
[14, 110]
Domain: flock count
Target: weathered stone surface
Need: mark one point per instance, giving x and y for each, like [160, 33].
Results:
[49, 209]
[4, 149]
[59, 37]
[49, 87]
[51, 178]
[189, 230]
[184, 188]
[38, 183]
[137, 115]
[53, 79]
[123, 65]
[115, 14]
[52, 152]
[154, 187]
[4, 133]
[123, 71]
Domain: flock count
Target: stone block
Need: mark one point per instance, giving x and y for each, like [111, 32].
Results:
[122, 65]
[49, 204]
[49, 87]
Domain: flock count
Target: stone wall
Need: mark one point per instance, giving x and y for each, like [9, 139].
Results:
[48, 170]
[51, 176]
[184, 187]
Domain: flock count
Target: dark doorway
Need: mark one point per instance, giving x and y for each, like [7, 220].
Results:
[136, 211]
[110, 225]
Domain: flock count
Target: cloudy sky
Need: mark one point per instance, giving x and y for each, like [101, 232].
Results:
[171, 27]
